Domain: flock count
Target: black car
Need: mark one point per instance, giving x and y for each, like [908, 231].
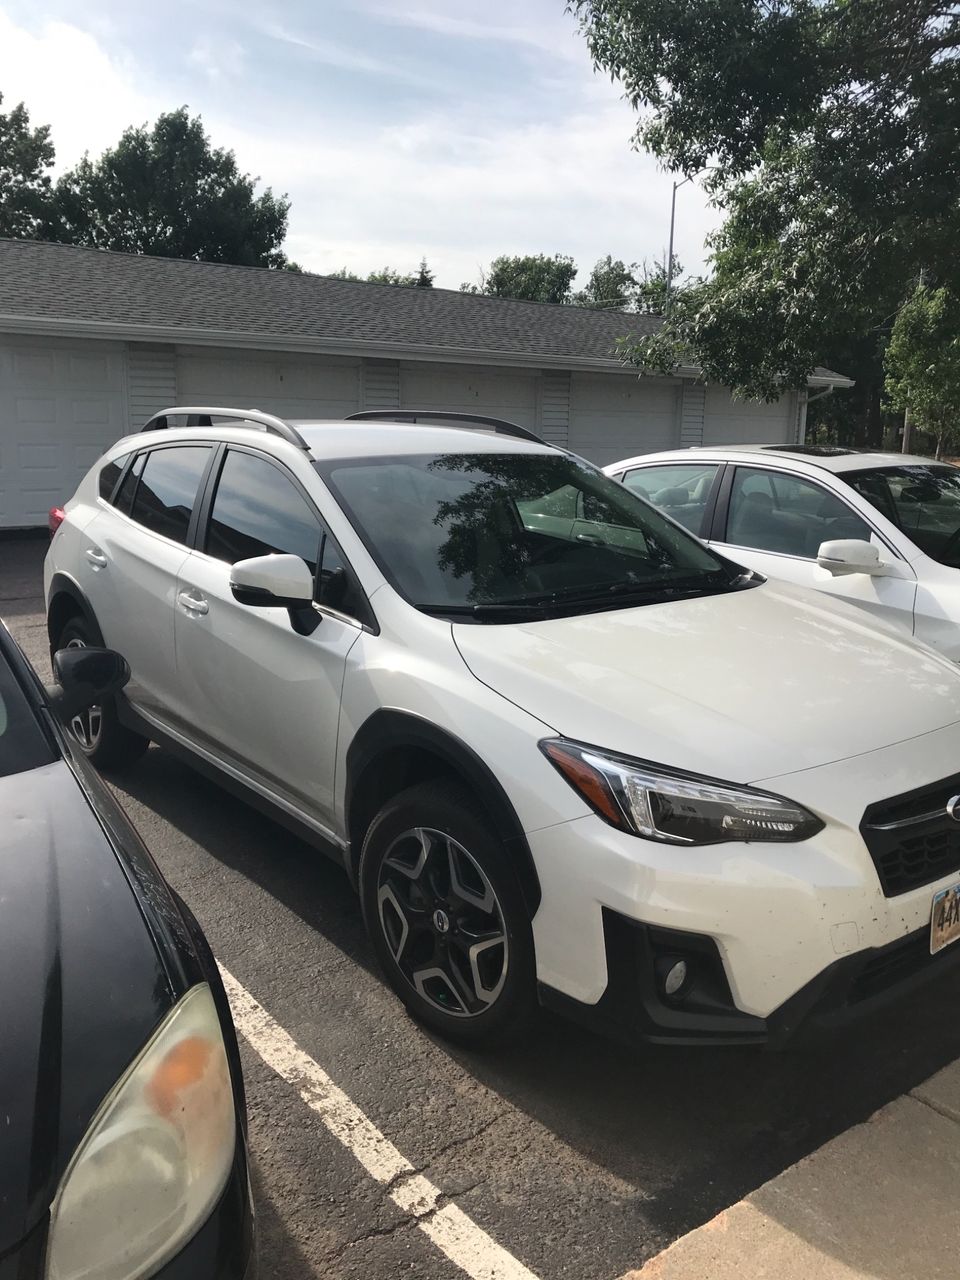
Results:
[122, 1116]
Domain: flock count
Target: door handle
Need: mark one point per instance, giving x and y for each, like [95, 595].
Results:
[192, 603]
[96, 557]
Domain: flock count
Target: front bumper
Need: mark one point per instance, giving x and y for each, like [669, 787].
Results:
[782, 920]
[634, 1010]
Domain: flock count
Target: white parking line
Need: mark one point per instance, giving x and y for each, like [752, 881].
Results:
[457, 1236]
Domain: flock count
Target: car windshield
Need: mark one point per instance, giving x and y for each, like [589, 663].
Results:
[22, 743]
[494, 536]
[924, 500]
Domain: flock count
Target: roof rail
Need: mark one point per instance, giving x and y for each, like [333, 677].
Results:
[268, 421]
[500, 425]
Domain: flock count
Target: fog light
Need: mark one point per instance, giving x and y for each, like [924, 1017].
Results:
[672, 974]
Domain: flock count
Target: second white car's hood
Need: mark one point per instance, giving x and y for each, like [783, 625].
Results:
[742, 686]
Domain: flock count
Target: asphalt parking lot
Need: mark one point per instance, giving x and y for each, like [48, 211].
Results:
[580, 1158]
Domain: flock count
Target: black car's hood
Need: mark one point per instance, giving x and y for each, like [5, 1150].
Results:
[81, 983]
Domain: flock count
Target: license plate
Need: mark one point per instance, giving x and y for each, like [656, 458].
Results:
[945, 919]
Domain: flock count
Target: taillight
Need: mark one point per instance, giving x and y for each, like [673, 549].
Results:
[55, 519]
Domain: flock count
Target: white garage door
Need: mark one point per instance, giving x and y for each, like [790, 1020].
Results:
[614, 416]
[730, 421]
[290, 386]
[501, 393]
[61, 405]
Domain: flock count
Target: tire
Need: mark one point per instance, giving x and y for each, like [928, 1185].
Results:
[437, 891]
[98, 733]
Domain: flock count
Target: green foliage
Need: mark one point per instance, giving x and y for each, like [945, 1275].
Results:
[612, 286]
[830, 130]
[388, 275]
[166, 191]
[424, 278]
[25, 187]
[533, 277]
[923, 363]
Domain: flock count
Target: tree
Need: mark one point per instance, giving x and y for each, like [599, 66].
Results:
[424, 278]
[166, 191]
[25, 187]
[612, 286]
[388, 275]
[534, 277]
[830, 131]
[923, 363]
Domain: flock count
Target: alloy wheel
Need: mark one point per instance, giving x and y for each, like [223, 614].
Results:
[443, 922]
[87, 725]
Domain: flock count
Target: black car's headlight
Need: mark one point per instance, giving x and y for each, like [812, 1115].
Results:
[678, 808]
[155, 1158]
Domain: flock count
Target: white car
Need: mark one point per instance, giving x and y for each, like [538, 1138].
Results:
[881, 530]
[564, 750]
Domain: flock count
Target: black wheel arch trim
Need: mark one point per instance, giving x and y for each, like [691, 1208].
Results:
[63, 585]
[386, 730]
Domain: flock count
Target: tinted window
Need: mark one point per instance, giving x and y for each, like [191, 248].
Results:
[110, 474]
[680, 491]
[923, 500]
[22, 744]
[168, 489]
[517, 528]
[124, 499]
[773, 511]
[258, 511]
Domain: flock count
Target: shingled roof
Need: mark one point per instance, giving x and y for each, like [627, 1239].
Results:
[63, 289]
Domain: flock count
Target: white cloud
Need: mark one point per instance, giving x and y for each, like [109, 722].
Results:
[549, 37]
[445, 183]
[218, 60]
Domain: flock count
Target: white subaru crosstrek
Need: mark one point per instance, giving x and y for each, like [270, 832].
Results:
[563, 749]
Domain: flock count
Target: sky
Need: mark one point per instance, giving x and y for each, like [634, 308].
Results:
[452, 129]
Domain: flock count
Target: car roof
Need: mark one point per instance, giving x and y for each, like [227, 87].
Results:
[335, 441]
[829, 458]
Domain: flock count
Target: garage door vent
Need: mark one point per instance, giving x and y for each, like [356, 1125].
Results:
[151, 382]
[554, 421]
[380, 385]
[693, 405]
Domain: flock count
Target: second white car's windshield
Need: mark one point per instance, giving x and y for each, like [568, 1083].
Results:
[497, 535]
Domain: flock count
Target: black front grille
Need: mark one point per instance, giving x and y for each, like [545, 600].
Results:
[912, 839]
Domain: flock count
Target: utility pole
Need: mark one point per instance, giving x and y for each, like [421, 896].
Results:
[673, 219]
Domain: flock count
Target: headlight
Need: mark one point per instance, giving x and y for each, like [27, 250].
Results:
[677, 808]
[156, 1157]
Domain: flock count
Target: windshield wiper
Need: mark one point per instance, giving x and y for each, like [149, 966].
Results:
[517, 610]
[675, 589]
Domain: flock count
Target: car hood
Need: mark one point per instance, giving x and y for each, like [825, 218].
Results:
[742, 686]
[81, 986]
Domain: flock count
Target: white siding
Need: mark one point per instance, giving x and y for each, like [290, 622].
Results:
[730, 421]
[693, 402]
[616, 415]
[61, 404]
[292, 386]
[380, 384]
[151, 382]
[554, 420]
[501, 393]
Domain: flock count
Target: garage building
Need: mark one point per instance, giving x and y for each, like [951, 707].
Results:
[93, 343]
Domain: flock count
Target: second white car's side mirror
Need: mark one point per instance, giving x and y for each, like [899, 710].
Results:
[272, 581]
[850, 555]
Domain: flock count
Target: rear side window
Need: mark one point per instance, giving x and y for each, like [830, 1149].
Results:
[681, 491]
[109, 476]
[258, 511]
[167, 491]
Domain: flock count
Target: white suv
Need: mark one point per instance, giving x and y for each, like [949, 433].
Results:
[563, 749]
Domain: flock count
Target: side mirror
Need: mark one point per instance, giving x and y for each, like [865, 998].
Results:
[84, 678]
[278, 582]
[849, 555]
